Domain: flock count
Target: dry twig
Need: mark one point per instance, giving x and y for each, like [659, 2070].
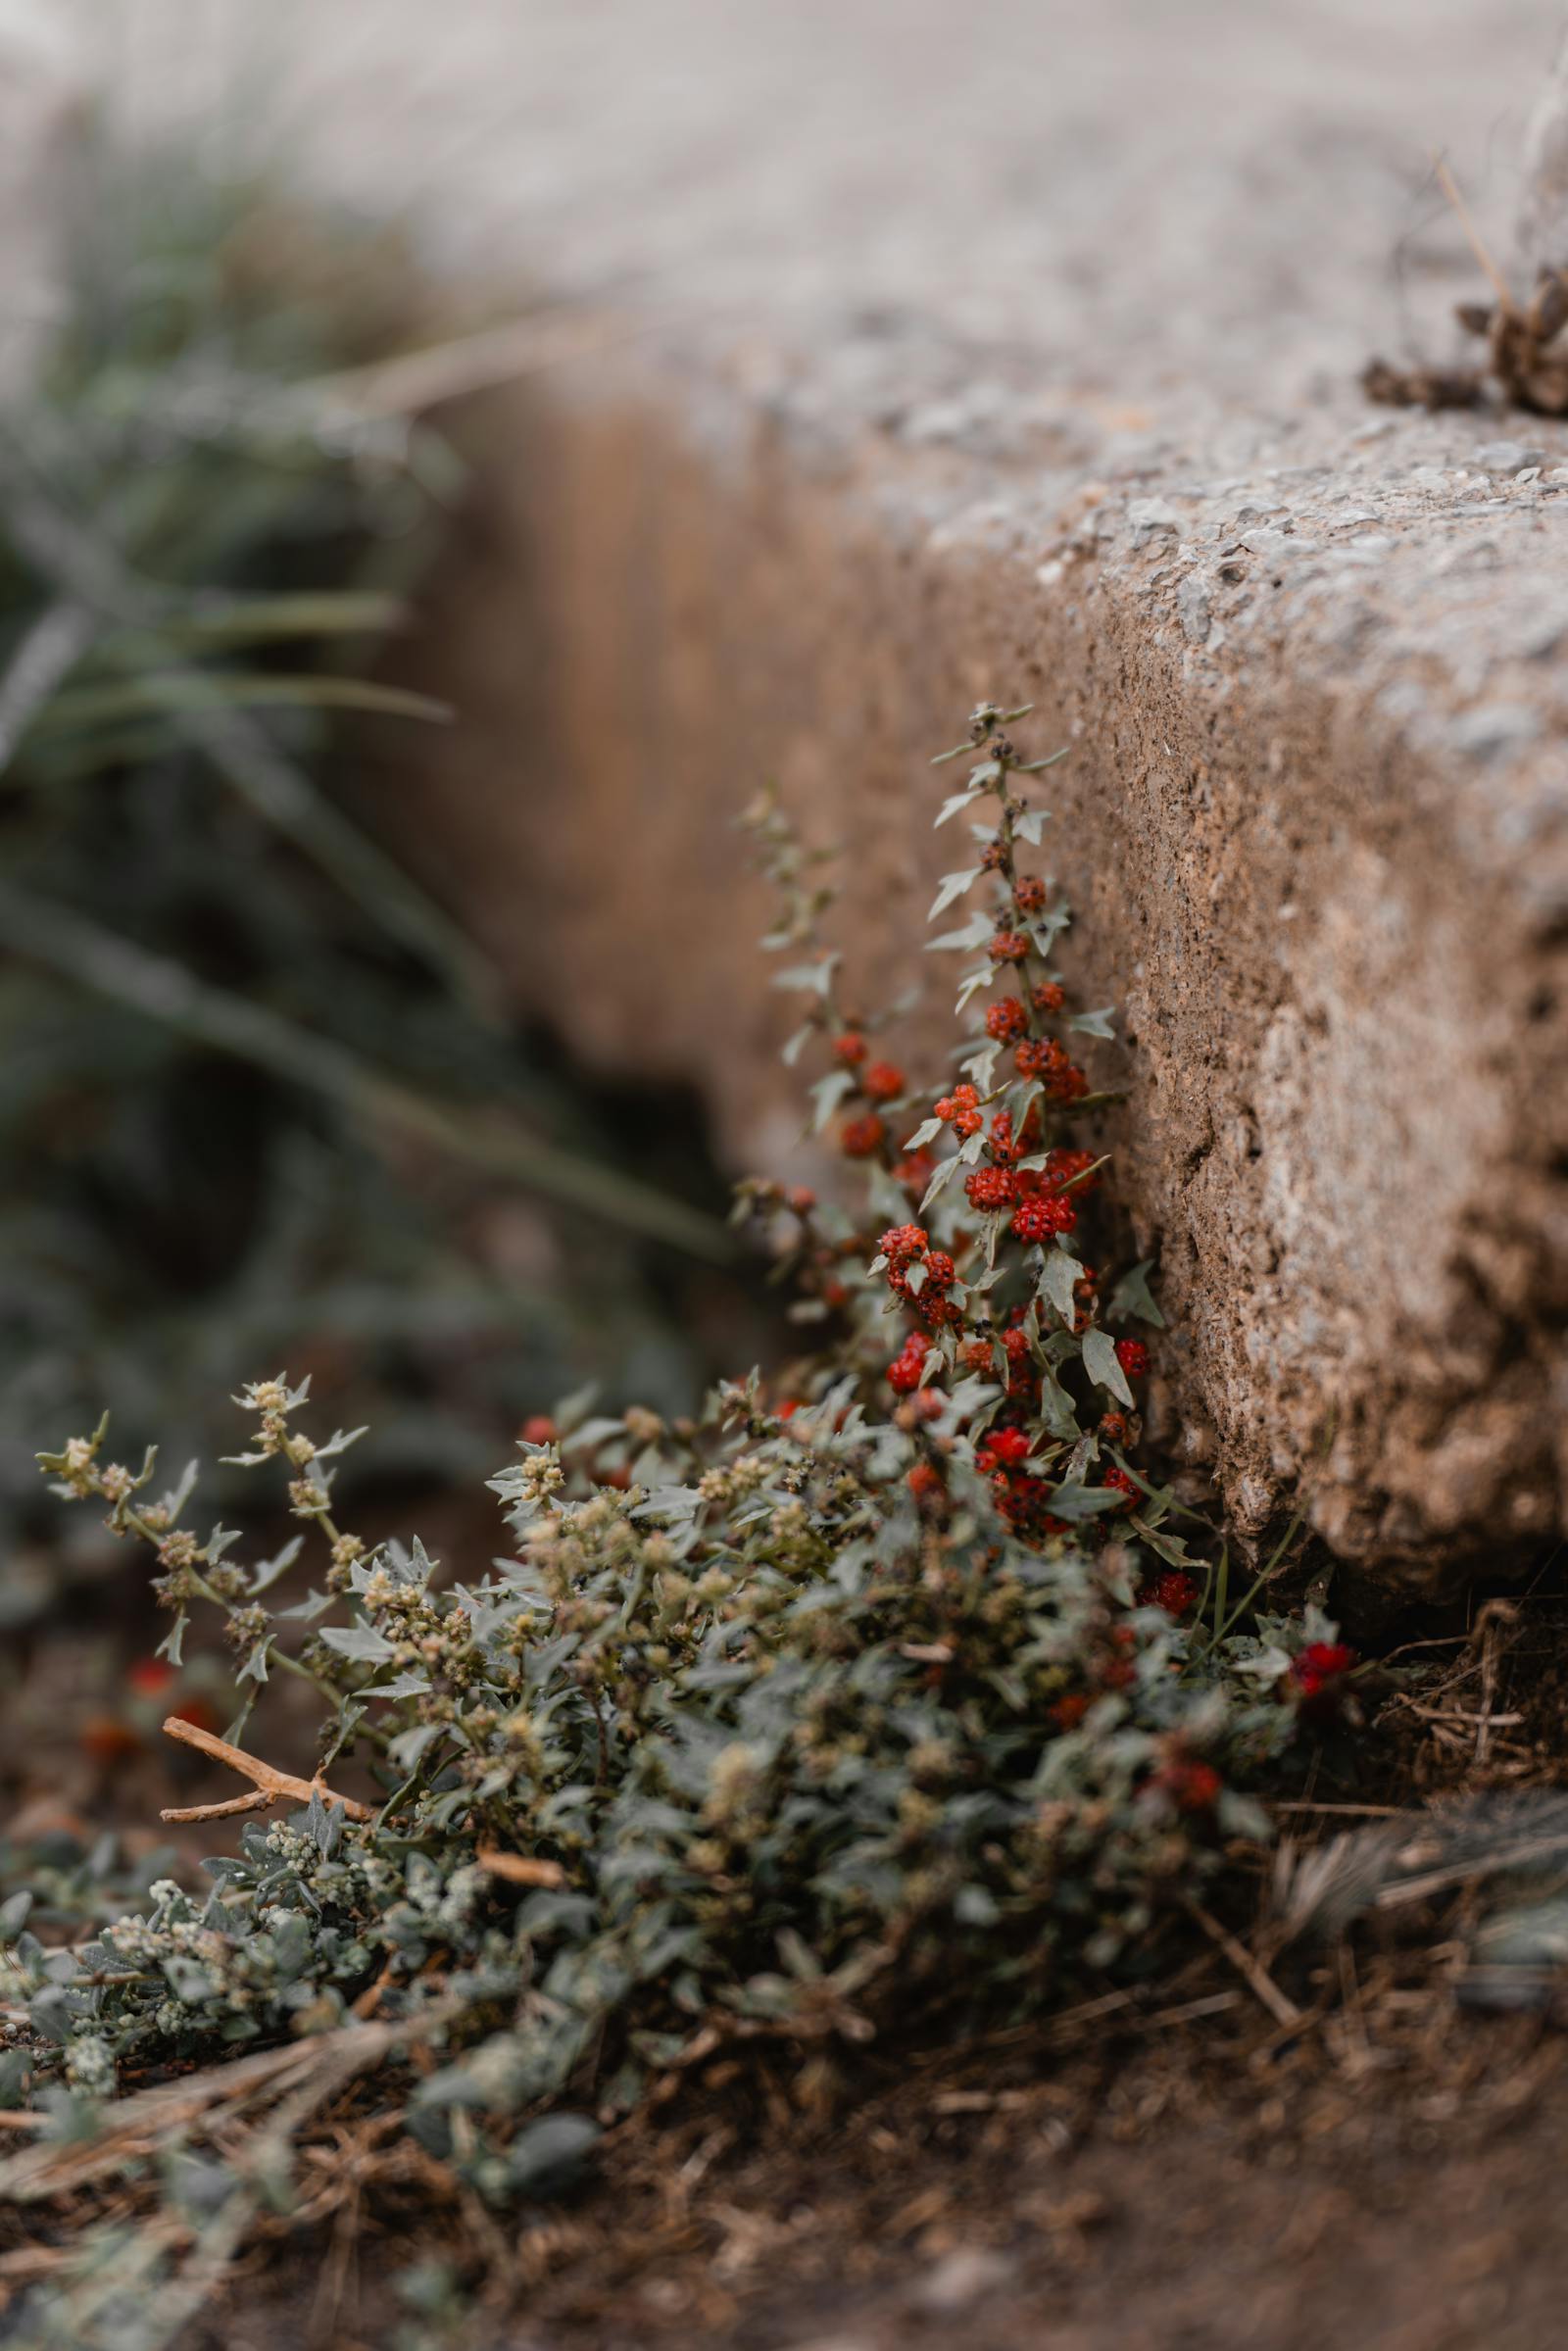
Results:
[270, 1785]
[1281, 2007]
[519, 1869]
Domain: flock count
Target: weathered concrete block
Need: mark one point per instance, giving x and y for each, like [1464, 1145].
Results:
[1007, 351]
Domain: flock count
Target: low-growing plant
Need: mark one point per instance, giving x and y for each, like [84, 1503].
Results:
[872, 1701]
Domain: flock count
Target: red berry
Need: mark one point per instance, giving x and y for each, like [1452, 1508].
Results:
[926, 1482]
[978, 1355]
[1126, 1485]
[107, 1740]
[1050, 996]
[1043, 1057]
[1003, 1449]
[850, 1047]
[904, 1372]
[940, 1271]
[1317, 1669]
[1133, 1357]
[957, 1106]
[1068, 1712]
[991, 1187]
[1030, 896]
[1062, 1166]
[883, 1082]
[914, 1171]
[1037, 1219]
[801, 1200]
[863, 1138]
[1173, 1590]
[1006, 1019]
[1113, 1428]
[1192, 1787]
[901, 1243]
[149, 1677]
[539, 1429]
[1008, 946]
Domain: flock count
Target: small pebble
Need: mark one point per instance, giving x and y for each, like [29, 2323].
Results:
[1151, 518]
[960, 2279]
[1507, 457]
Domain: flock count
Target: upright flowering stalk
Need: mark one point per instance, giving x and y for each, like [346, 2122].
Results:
[968, 1245]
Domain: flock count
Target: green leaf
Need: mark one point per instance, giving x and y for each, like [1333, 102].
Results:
[14, 1915]
[243, 619]
[183, 689]
[1132, 1295]
[1075, 1502]
[953, 886]
[549, 2156]
[944, 1173]
[362, 1642]
[1169, 1547]
[1095, 1024]
[1061, 1271]
[1099, 1361]
[816, 979]
[974, 933]
[267, 1571]
[827, 1093]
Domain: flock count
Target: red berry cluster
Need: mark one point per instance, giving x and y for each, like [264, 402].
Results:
[960, 1109]
[1047, 1059]
[1006, 1020]
[882, 1082]
[1318, 1671]
[863, 1137]
[1042, 1217]
[920, 1275]
[1191, 1786]
[1174, 1591]
[1022, 1497]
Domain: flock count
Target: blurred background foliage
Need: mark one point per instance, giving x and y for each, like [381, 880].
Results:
[260, 1103]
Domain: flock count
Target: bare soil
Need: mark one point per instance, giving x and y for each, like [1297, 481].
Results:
[1365, 2185]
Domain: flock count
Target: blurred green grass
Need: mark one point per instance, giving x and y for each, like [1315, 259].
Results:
[258, 1099]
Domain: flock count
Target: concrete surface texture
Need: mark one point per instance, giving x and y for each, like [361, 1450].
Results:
[1012, 346]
